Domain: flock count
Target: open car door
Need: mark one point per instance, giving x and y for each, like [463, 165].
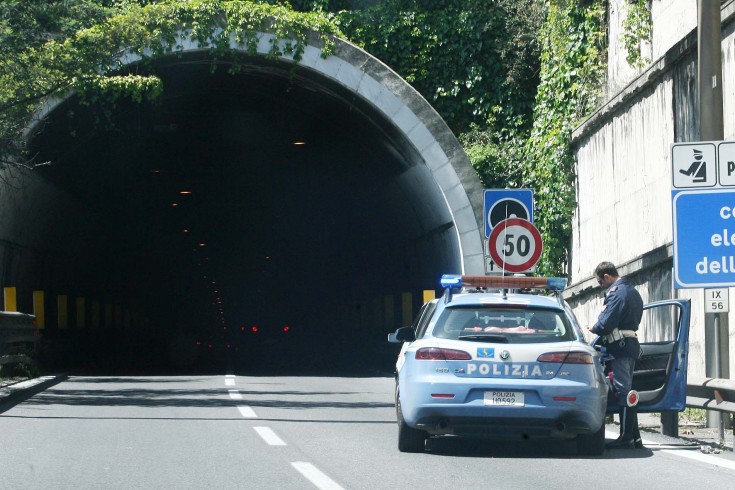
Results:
[660, 375]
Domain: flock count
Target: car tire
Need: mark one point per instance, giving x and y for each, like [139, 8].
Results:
[592, 444]
[410, 440]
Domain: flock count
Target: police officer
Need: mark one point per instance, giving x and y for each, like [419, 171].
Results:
[617, 326]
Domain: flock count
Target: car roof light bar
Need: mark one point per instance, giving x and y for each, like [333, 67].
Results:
[504, 282]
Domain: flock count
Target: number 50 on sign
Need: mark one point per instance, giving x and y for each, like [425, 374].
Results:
[716, 301]
[515, 245]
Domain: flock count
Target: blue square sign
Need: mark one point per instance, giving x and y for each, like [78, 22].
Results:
[501, 204]
[704, 238]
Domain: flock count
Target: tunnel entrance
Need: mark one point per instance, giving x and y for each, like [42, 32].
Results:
[258, 220]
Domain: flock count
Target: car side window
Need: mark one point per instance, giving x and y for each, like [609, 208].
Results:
[422, 319]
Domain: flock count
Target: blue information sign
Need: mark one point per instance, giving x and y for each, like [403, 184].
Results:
[704, 238]
[501, 204]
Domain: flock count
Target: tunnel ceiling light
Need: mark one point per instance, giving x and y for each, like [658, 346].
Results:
[184, 192]
[174, 204]
[155, 171]
[299, 143]
[202, 244]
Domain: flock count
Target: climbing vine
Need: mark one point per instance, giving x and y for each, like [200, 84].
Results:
[637, 28]
[57, 58]
[572, 71]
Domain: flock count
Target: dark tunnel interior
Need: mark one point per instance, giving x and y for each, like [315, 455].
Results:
[249, 221]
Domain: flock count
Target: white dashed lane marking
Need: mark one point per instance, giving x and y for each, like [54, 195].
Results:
[319, 479]
[247, 412]
[269, 436]
[308, 470]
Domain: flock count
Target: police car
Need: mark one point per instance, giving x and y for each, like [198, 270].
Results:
[492, 359]
[499, 364]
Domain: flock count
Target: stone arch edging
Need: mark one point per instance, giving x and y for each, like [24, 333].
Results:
[399, 103]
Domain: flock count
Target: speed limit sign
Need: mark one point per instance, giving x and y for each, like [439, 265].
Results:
[515, 245]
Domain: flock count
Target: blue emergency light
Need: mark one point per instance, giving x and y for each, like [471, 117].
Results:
[504, 282]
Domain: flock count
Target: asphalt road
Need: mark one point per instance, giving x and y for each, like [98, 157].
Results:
[264, 432]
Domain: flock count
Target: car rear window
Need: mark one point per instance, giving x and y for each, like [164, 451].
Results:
[509, 325]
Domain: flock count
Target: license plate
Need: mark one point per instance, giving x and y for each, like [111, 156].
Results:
[505, 398]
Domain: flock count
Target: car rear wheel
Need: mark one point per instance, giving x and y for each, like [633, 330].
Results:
[410, 440]
[592, 444]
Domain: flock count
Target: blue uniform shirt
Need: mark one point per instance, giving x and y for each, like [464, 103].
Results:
[623, 309]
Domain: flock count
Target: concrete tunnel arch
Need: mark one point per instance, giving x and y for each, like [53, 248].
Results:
[437, 174]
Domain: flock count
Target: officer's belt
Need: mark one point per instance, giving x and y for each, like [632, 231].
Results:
[618, 334]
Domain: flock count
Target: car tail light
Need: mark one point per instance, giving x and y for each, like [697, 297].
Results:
[439, 354]
[254, 329]
[566, 357]
[286, 329]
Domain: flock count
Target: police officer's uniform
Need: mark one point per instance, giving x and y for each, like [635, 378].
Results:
[617, 326]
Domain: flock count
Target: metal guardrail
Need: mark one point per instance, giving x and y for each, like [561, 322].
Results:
[711, 394]
[17, 333]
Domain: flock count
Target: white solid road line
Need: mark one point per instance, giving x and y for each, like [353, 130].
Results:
[315, 476]
[684, 453]
[701, 457]
[269, 436]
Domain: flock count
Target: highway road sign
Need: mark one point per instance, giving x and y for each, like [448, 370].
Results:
[515, 245]
[726, 163]
[501, 204]
[694, 165]
[704, 238]
[703, 198]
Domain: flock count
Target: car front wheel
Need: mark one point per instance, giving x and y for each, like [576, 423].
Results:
[410, 440]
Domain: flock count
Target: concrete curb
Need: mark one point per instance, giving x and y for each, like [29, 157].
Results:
[12, 394]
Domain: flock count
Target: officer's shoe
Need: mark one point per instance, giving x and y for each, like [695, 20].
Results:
[638, 443]
[621, 443]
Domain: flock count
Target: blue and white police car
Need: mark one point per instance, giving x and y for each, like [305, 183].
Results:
[499, 364]
[493, 359]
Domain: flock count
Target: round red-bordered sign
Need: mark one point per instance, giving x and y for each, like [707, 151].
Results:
[515, 245]
[632, 398]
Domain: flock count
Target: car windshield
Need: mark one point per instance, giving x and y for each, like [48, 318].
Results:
[507, 325]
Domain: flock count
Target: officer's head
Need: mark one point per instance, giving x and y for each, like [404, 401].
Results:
[606, 274]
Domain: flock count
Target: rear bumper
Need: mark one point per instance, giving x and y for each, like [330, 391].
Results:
[581, 411]
[565, 426]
